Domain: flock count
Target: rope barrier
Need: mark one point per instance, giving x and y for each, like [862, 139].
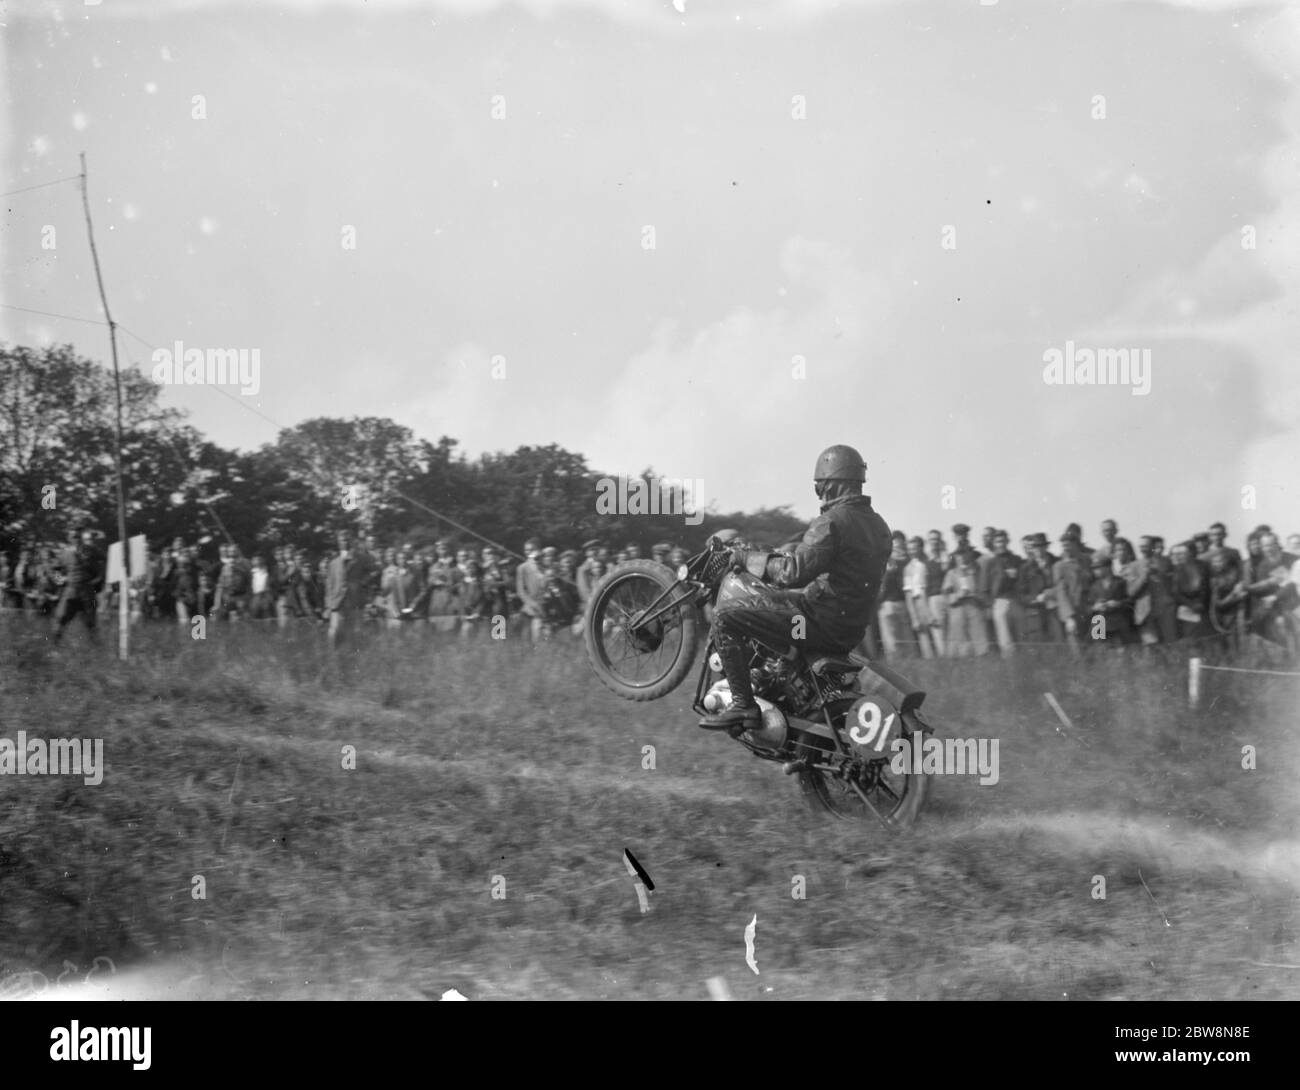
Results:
[1195, 666]
[1245, 670]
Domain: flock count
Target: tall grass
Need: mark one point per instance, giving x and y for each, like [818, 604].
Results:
[483, 758]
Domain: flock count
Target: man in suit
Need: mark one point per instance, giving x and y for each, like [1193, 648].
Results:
[347, 584]
[1141, 590]
[936, 563]
[233, 584]
[998, 588]
[1273, 594]
[966, 633]
[1071, 579]
[530, 585]
[1218, 534]
[1164, 609]
[1110, 601]
[961, 532]
[496, 599]
[1035, 593]
[83, 567]
[444, 589]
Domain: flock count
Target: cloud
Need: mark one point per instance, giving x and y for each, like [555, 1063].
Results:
[766, 374]
[1247, 299]
[783, 376]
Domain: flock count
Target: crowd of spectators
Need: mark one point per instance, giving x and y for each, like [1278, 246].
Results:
[938, 599]
[964, 601]
[446, 587]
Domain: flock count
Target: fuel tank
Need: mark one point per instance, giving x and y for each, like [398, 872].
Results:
[739, 590]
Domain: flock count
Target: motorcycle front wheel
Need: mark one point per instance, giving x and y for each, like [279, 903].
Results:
[641, 629]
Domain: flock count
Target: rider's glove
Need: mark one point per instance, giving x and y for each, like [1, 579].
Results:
[739, 554]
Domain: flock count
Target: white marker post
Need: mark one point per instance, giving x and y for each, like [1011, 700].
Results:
[1055, 705]
[1194, 682]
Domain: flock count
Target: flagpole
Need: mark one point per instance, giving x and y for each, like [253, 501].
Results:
[123, 598]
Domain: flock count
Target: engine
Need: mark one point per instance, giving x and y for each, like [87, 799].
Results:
[776, 679]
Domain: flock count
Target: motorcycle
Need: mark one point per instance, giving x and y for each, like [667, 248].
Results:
[833, 721]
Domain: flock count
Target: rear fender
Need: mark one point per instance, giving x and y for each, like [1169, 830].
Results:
[877, 680]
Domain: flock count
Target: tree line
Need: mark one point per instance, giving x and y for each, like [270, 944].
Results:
[369, 474]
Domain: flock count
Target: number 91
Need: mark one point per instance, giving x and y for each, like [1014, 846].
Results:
[870, 727]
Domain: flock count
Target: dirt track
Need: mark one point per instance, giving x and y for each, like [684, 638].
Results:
[491, 760]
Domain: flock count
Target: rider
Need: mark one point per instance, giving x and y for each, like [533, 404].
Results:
[837, 567]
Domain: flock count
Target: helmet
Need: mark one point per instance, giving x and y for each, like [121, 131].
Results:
[840, 463]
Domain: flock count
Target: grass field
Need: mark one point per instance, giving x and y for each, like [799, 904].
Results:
[474, 760]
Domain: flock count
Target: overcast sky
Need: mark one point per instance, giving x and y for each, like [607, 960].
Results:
[798, 164]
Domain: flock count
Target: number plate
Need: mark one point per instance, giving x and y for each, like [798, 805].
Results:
[871, 726]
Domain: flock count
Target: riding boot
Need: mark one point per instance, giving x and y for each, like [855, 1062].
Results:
[743, 712]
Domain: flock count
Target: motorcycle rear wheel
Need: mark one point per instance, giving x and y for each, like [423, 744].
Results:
[640, 661]
[897, 797]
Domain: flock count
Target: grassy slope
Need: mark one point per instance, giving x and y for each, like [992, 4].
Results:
[224, 759]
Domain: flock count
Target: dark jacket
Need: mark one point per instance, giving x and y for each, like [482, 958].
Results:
[347, 582]
[840, 563]
[84, 568]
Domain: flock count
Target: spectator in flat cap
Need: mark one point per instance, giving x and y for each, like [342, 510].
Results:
[1133, 570]
[440, 607]
[1110, 603]
[1219, 540]
[1075, 531]
[496, 584]
[1272, 593]
[961, 532]
[1164, 608]
[1071, 577]
[966, 634]
[1227, 607]
[1036, 594]
[1191, 590]
[999, 575]
[530, 585]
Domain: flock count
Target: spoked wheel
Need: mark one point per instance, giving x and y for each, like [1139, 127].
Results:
[895, 797]
[641, 630]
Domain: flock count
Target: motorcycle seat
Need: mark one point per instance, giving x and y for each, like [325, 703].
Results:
[833, 664]
[823, 662]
